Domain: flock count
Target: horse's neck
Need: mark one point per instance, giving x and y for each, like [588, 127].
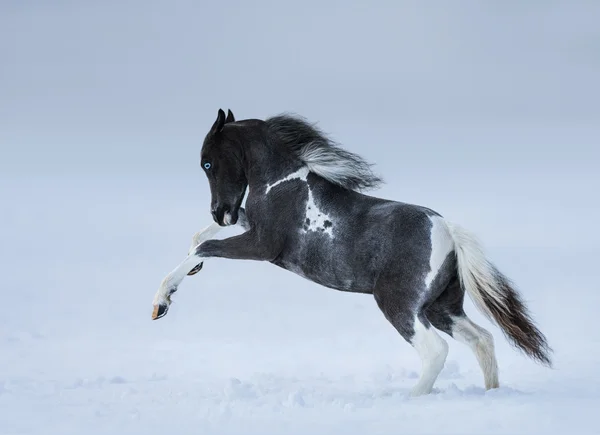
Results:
[264, 169]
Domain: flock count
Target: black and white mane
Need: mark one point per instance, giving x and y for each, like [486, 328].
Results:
[321, 155]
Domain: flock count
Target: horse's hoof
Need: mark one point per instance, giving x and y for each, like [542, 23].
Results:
[196, 269]
[159, 311]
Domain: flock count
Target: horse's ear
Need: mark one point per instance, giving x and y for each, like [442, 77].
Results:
[219, 123]
[230, 117]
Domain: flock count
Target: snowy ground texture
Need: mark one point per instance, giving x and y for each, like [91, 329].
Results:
[248, 348]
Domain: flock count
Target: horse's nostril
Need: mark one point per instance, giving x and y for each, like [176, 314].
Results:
[219, 212]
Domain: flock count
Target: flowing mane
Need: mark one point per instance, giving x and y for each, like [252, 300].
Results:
[321, 154]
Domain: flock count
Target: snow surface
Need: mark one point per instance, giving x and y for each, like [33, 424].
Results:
[248, 348]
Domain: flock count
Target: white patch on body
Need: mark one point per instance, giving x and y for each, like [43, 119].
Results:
[316, 218]
[481, 343]
[441, 245]
[300, 174]
[432, 350]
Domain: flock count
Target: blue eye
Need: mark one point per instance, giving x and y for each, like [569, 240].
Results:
[207, 165]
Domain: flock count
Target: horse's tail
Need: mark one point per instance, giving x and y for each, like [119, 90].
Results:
[496, 297]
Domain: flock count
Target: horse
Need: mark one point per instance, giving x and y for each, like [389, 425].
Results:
[306, 212]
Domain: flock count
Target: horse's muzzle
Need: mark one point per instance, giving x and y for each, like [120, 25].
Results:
[224, 216]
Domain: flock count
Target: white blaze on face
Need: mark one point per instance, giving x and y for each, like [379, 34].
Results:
[227, 219]
[315, 219]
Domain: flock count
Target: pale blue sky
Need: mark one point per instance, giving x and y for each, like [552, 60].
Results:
[133, 86]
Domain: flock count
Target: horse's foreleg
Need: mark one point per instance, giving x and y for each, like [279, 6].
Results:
[193, 262]
[246, 246]
[209, 232]
[168, 286]
[200, 237]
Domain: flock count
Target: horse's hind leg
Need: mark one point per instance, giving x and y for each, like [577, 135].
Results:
[446, 314]
[398, 308]
[482, 344]
[433, 351]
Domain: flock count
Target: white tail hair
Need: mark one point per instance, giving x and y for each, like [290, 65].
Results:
[496, 297]
[477, 275]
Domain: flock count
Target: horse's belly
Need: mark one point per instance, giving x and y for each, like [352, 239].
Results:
[338, 273]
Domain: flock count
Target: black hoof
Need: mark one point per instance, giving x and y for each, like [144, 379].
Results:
[196, 269]
[159, 311]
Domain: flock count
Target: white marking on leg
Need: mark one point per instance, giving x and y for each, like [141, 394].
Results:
[433, 351]
[300, 174]
[172, 280]
[441, 246]
[203, 235]
[317, 220]
[482, 344]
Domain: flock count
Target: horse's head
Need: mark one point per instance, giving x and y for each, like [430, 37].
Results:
[222, 161]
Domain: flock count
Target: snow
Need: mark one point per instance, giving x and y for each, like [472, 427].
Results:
[249, 348]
